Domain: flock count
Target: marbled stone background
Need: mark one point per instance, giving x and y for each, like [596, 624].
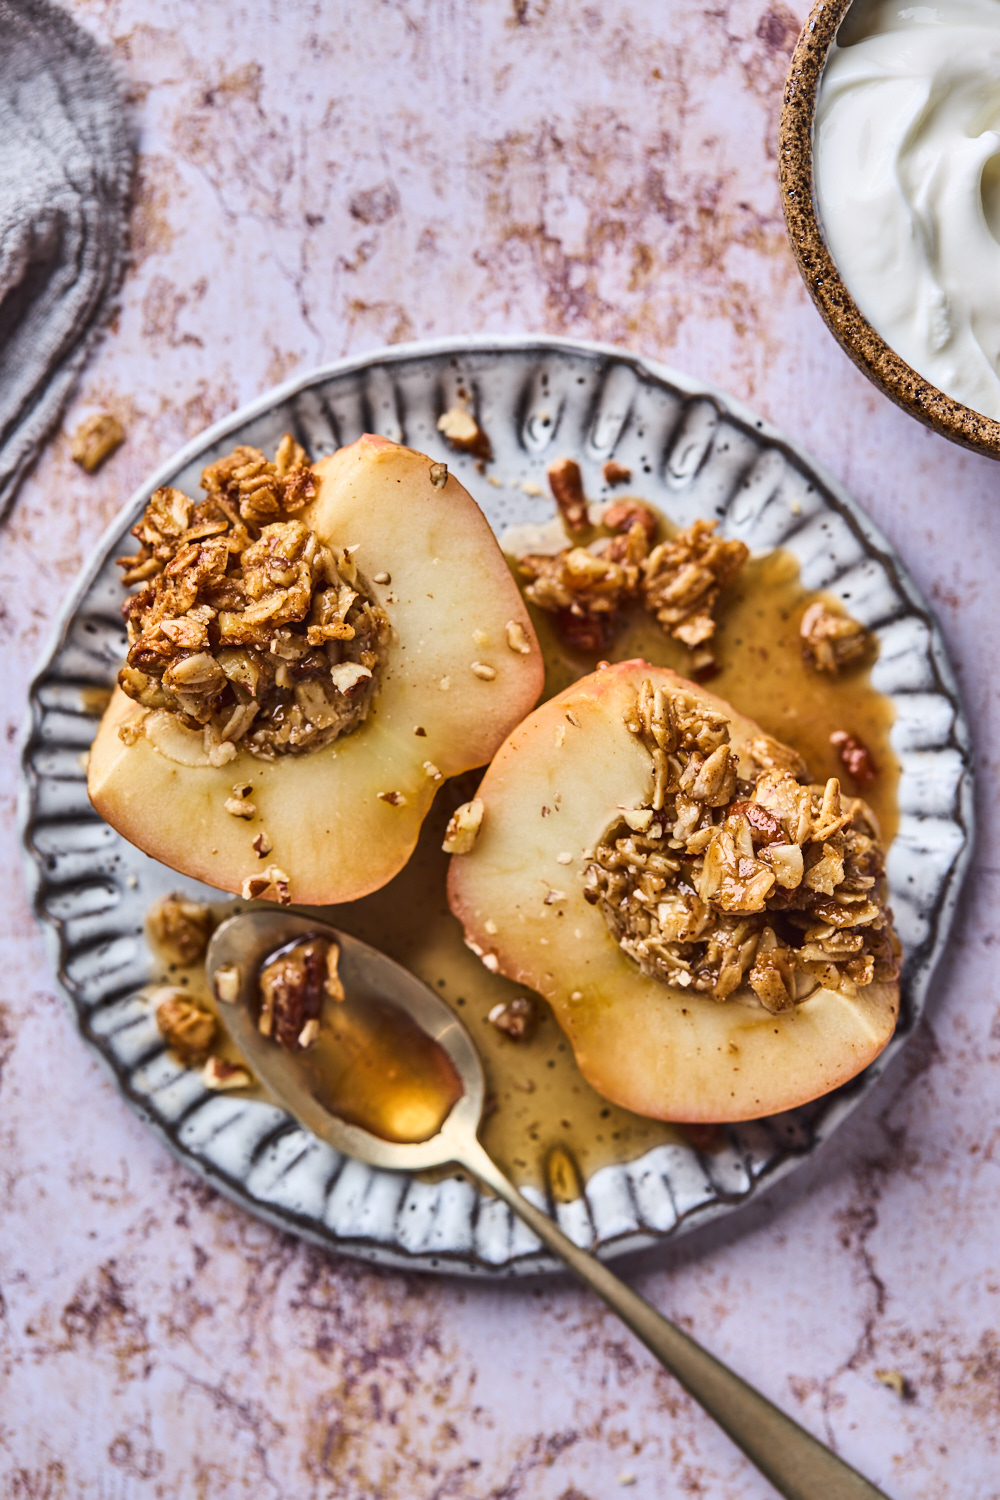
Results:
[322, 179]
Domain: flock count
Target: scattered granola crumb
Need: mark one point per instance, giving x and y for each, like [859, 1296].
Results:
[490, 926]
[615, 473]
[830, 638]
[420, 732]
[494, 481]
[444, 684]
[95, 440]
[463, 432]
[227, 984]
[262, 845]
[856, 757]
[439, 475]
[181, 927]
[271, 885]
[431, 770]
[529, 487]
[463, 829]
[394, 799]
[559, 736]
[219, 1075]
[184, 1026]
[683, 577]
[571, 716]
[626, 1479]
[566, 484]
[564, 859]
[131, 732]
[896, 1381]
[480, 638]
[516, 1018]
[517, 638]
[484, 670]
[382, 578]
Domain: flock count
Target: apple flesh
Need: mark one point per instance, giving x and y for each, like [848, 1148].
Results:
[549, 797]
[342, 820]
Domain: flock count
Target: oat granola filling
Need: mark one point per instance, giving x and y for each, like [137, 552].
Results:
[244, 624]
[766, 887]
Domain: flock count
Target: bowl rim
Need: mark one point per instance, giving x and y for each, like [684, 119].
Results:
[841, 314]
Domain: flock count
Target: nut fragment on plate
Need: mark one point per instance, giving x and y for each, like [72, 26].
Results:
[566, 484]
[184, 1026]
[96, 439]
[615, 473]
[221, 1076]
[181, 928]
[516, 1018]
[464, 433]
[831, 639]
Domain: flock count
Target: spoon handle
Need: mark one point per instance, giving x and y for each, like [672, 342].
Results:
[797, 1464]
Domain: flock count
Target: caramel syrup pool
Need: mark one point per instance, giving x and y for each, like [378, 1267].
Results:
[538, 1104]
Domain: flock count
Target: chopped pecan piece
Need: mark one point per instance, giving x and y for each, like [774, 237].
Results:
[855, 756]
[566, 484]
[615, 473]
[830, 639]
[293, 986]
[181, 927]
[184, 1026]
[624, 514]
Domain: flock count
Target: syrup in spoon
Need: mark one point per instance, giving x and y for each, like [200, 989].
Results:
[338, 1079]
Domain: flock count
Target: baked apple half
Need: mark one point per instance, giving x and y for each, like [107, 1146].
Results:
[709, 928]
[312, 651]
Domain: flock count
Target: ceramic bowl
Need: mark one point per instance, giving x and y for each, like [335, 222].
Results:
[869, 351]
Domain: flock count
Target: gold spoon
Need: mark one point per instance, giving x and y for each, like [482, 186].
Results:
[436, 1091]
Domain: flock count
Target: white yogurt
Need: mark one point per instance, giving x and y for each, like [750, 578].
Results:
[907, 172]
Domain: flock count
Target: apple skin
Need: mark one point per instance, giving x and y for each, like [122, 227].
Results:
[328, 828]
[663, 1052]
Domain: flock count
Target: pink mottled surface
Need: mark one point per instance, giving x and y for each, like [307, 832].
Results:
[321, 179]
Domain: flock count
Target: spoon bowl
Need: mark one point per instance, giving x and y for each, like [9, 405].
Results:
[799, 1467]
[245, 941]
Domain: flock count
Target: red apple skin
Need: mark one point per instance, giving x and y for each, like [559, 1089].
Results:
[552, 789]
[449, 600]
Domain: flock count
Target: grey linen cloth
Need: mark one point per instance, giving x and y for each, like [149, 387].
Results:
[65, 170]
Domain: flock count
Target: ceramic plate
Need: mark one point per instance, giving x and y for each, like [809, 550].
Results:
[694, 453]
